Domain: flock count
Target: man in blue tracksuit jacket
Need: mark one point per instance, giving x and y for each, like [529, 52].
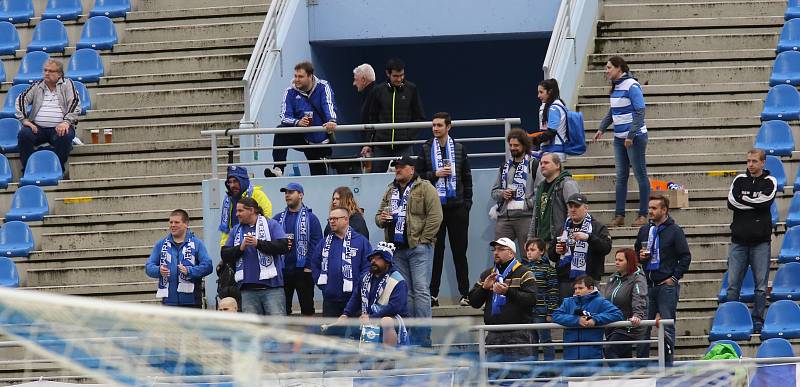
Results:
[179, 261]
[585, 311]
[307, 102]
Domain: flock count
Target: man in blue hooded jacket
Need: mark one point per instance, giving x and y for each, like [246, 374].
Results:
[238, 186]
[307, 102]
[586, 311]
[179, 261]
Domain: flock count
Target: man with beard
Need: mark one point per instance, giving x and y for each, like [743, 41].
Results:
[382, 294]
[238, 186]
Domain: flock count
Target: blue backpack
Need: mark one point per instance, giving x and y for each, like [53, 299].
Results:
[575, 143]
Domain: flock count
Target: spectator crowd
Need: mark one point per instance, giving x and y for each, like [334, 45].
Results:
[549, 250]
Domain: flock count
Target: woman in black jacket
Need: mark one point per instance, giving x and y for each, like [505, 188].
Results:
[627, 290]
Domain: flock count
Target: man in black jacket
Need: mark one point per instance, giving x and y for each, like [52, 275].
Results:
[750, 198]
[508, 289]
[364, 81]
[582, 247]
[444, 163]
[392, 102]
[665, 256]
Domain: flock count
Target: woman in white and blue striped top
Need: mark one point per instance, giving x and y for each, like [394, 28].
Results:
[630, 138]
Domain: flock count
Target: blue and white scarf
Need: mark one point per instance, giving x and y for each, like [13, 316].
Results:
[399, 208]
[445, 186]
[576, 255]
[498, 300]
[654, 246]
[380, 301]
[347, 263]
[266, 263]
[224, 222]
[301, 228]
[520, 182]
[188, 259]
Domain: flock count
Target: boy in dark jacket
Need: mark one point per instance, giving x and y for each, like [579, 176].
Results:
[508, 291]
[665, 256]
[586, 310]
[546, 294]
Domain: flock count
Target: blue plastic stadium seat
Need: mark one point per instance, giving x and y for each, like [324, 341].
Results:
[773, 210]
[16, 11]
[110, 8]
[734, 344]
[43, 168]
[5, 172]
[775, 137]
[786, 285]
[31, 68]
[29, 204]
[11, 98]
[782, 103]
[783, 320]
[792, 10]
[9, 38]
[775, 347]
[9, 130]
[85, 65]
[16, 239]
[793, 219]
[9, 276]
[790, 248]
[732, 321]
[790, 37]
[786, 69]
[83, 95]
[49, 36]
[775, 168]
[746, 293]
[99, 33]
[62, 9]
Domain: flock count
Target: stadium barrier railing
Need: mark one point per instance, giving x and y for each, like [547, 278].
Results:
[486, 365]
[217, 135]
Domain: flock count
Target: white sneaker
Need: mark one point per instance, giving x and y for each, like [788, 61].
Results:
[463, 302]
[77, 141]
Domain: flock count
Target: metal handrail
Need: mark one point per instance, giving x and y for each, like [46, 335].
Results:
[562, 30]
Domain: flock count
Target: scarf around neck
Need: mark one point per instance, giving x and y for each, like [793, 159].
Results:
[188, 258]
[445, 186]
[519, 183]
[347, 263]
[654, 246]
[498, 300]
[266, 263]
[576, 255]
[399, 207]
[228, 204]
[301, 228]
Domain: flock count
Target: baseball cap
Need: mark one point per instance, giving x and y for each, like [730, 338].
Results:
[405, 160]
[293, 187]
[578, 198]
[505, 242]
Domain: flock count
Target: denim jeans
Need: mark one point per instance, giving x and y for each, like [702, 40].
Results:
[416, 266]
[626, 158]
[266, 302]
[62, 145]
[661, 299]
[757, 257]
[542, 336]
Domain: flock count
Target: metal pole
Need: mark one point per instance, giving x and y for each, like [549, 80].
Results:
[484, 378]
[661, 360]
[507, 131]
[214, 157]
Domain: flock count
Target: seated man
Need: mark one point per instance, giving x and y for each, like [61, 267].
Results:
[382, 294]
[586, 310]
[54, 110]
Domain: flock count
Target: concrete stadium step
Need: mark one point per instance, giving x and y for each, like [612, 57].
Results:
[104, 204]
[160, 5]
[178, 64]
[216, 76]
[143, 167]
[712, 28]
[658, 162]
[683, 108]
[697, 125]
[671, 76]
[154, 114]
[233, 29]
[117, 218]
[600, 64]
[69, 257]
[86, 275]
[693, 58]
[165, 131]
[102, 120]
[686, 43]
[690, 215]
[650, 26]
[92, 239]
[712, 91]
[681, 10]
[155, 98]
[105, 290]
[676, 145]
[705, 179]
[196, 12]
[219, 45]
[130, 150]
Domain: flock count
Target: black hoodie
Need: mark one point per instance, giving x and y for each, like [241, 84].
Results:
[750, 199]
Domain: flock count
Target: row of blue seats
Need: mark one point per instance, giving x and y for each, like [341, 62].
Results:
[785, 285]
[9, 109]
[22, 11]
[732, 321]
[43, 169]
[51, 36]
[774, 347]
[84, 65]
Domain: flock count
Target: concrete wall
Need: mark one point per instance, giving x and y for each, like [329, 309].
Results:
[348, 20]
[368, 189]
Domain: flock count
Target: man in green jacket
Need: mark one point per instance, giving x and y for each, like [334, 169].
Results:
[411, 213]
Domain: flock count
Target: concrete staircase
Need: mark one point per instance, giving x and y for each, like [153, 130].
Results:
[176, 70]
[705, 67]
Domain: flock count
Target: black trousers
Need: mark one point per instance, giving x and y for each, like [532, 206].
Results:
[303, 283]
[455, 223]
[286, 139]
